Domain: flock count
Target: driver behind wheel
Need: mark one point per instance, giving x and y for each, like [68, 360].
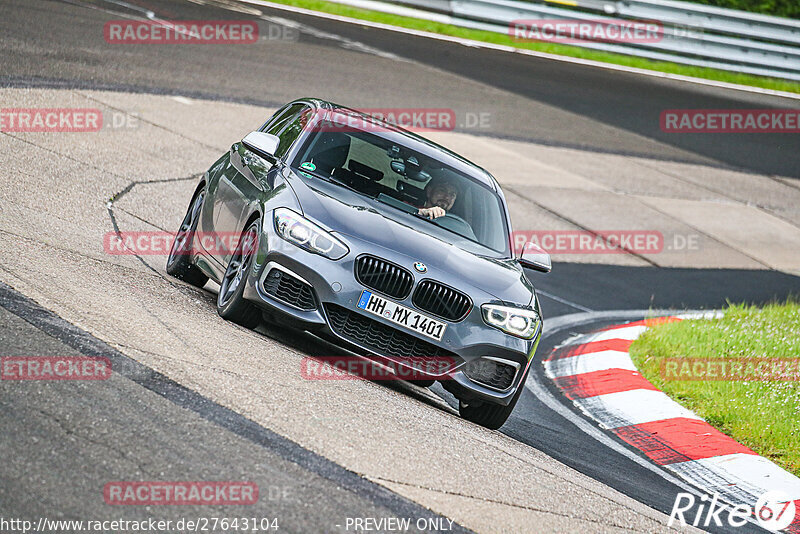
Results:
[440, 192]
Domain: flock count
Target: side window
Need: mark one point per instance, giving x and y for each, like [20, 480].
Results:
[280, 119]
[291, 130]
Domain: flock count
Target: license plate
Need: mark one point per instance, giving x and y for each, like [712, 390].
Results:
[401, 315]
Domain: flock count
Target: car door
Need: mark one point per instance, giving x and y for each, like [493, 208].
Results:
[244, 181]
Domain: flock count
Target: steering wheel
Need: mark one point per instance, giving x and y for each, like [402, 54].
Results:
[455, 223]
[457, 219]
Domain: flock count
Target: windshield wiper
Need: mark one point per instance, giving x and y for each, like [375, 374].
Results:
[345, 185]
[389, 200]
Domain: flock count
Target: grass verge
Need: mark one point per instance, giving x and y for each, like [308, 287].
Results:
[551, 48]
[763, 415]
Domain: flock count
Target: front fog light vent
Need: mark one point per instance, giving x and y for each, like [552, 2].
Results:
[289, 290]
[492, 372]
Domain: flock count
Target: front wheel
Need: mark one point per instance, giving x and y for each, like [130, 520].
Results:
[231, 304]
[487, 414]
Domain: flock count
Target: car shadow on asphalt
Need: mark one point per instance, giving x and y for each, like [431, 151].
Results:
[316, 347]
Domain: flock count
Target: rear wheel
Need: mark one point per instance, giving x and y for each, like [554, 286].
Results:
[488, 414]
[231, 305]
[179, 261]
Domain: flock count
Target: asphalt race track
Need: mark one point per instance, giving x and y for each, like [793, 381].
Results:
[195, 398]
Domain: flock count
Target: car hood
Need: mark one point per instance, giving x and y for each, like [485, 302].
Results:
[348, 213]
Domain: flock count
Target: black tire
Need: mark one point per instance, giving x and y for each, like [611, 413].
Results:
[490, 415]
[231, 305]
[422, 383]
[179, 261]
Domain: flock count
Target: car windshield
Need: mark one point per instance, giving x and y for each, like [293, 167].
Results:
[392, 173]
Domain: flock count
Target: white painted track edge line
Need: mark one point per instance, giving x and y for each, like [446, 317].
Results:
[572, 320]
[592, 362]
[563, 301]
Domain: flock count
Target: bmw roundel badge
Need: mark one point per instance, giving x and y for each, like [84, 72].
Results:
[420, 267]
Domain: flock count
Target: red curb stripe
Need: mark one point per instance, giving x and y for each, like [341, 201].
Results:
[794, 528]
[601, 383]
[679, 440]
[622, 345]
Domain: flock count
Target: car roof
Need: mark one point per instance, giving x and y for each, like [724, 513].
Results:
[417, 142]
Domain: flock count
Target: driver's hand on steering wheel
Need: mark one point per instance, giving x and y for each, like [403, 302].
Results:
[432, 213]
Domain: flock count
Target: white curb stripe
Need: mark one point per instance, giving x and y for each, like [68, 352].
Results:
[587, 363]
[748, 471]
[627, 332]
[578, 339]
[632, 407]
[715, 314]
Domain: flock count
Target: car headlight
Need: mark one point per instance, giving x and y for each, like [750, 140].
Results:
[299, 231]
[518, 322]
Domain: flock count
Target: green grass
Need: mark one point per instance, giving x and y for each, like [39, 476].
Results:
[552, 48]
[778, 8]
[763, 415]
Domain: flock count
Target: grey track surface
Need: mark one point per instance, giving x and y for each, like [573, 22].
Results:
[57, 44]
[613, 287]
[406, 439]
[75, 437]
[53, 43]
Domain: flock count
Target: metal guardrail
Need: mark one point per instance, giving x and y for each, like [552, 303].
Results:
[729, 21]
[693, 34]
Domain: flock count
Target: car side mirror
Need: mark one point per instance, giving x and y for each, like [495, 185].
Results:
[534, 257]
[261, 142]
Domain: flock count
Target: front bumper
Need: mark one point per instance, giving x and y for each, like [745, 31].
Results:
[335, 288]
